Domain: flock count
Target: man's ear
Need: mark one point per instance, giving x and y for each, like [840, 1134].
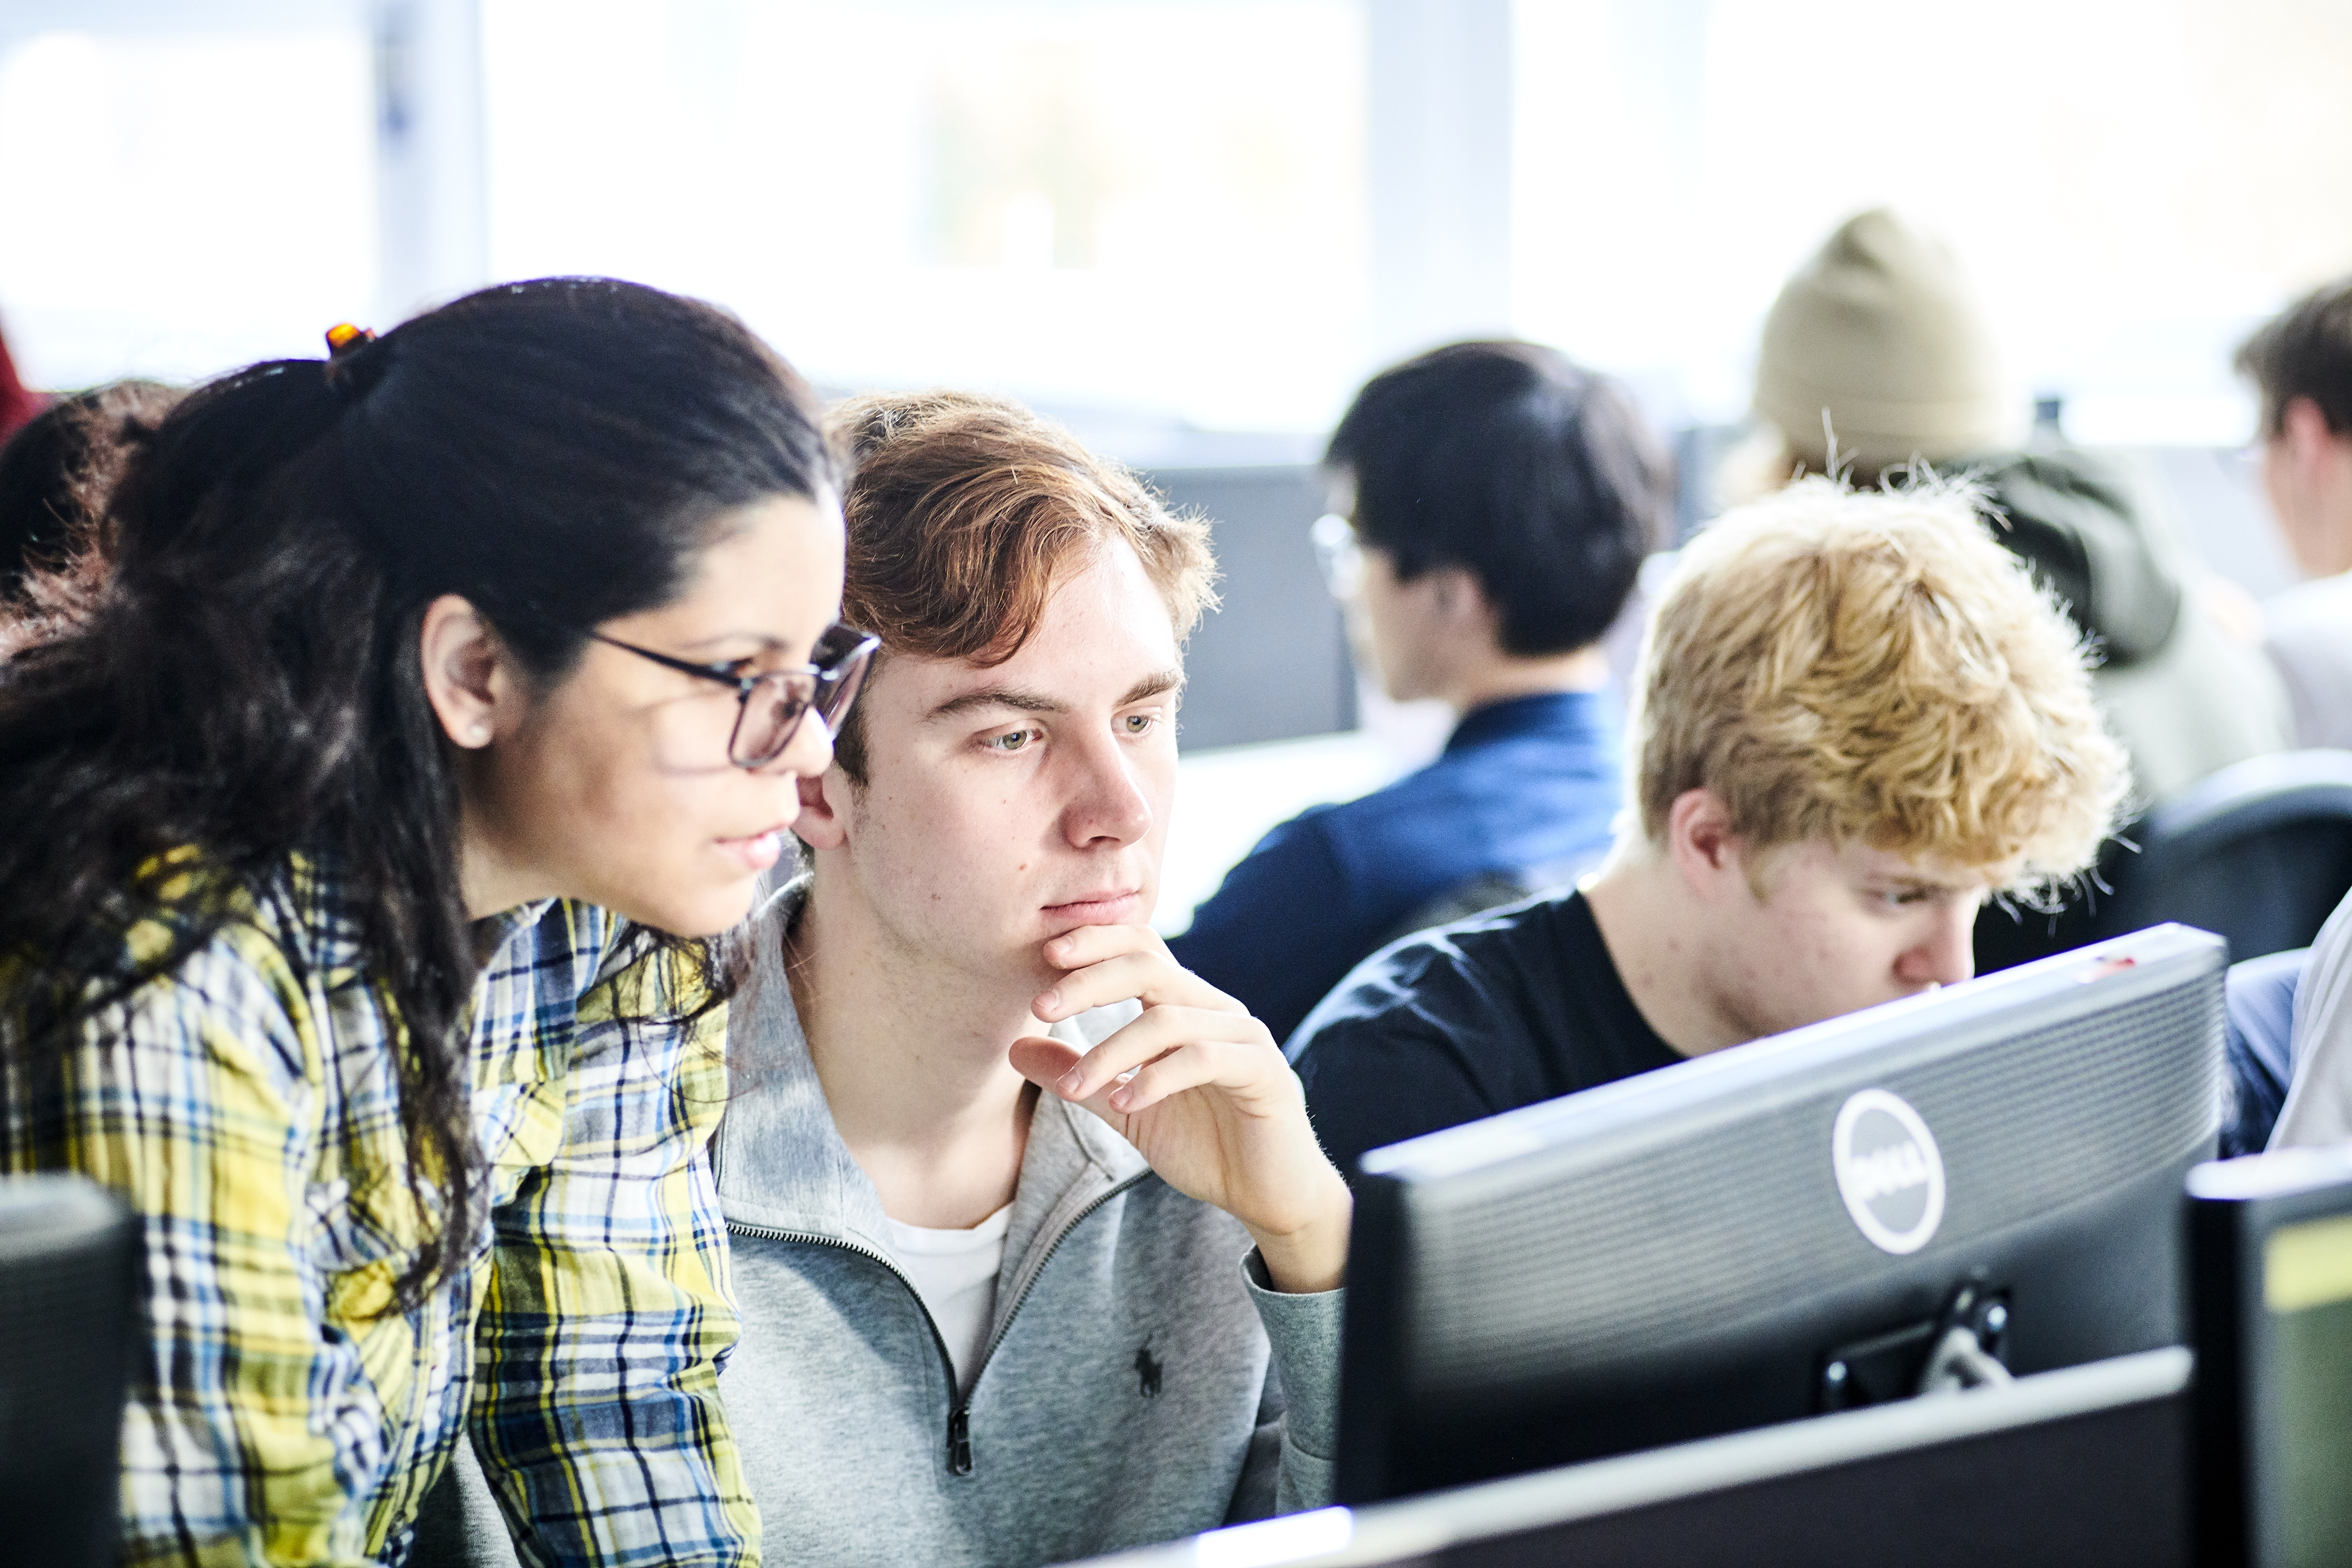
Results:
[2304, 430]
[1455, 591]
[1462, 604]
[1700, 842]
[824, 821]
[469, 676]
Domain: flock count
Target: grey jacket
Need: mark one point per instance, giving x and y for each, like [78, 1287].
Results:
[1140, 1383]
[2182, 695]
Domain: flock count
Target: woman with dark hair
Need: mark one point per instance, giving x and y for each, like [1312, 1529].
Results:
[56, 472]
[444, 693]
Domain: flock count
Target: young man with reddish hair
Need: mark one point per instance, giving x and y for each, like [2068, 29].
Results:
[1037, 1254]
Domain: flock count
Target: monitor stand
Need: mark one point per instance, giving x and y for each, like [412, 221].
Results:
[1963, 1346]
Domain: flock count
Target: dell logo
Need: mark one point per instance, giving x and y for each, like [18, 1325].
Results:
[1888, 1170]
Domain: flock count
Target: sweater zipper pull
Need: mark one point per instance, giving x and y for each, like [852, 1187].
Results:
[958, 1442]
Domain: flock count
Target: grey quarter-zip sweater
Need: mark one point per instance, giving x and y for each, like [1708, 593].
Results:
[1139, 1382]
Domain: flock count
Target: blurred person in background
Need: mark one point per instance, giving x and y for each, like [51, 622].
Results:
[55, 475]
[2318, 1108]
[1878, 343]
[2302, 365]
[1492, 503]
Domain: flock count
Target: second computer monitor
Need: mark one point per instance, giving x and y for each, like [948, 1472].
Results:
[1793, 1226]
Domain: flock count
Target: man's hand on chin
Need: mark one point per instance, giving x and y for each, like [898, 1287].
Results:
[1201, 1090]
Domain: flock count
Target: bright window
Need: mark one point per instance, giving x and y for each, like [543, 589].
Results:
[1147, 204]
[180, 203]
[2131, 182]
[1162, 206]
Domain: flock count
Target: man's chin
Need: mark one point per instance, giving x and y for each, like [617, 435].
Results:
[1805, 1018]
[1023, 966]
[1893, 994]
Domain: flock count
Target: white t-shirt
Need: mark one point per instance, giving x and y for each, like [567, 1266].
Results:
[2309, 637]
[2319, 1109]
[954, 1272]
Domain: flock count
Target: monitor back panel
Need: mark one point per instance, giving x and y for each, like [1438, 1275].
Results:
[69, 1279]
[2103, 1488]
[2272, 1239]
[2081, 1467]
[1631, 1267]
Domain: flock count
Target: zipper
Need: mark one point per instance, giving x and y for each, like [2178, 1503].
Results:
[810, 1238]
[1030, 1284]
[959, 1447]
[959, 1440]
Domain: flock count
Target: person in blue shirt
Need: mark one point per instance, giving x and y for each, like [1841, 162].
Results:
[1491, 505]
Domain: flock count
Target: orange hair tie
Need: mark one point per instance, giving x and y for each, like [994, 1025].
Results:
[342, 335]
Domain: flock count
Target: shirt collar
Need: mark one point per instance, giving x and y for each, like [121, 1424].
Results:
[1577, 714]
[783, 1164]
[492, 932]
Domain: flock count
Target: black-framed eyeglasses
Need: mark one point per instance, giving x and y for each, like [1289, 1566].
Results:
[772, 704]
[1340, 553]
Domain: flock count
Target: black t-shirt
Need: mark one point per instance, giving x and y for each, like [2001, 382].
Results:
[1517, 1006]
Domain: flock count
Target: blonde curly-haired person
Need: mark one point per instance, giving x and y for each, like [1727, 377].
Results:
[1857, 719]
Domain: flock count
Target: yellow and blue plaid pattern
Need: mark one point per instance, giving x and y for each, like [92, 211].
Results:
[246, 1106]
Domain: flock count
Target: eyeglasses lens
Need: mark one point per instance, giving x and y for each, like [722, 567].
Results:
[842, 658]
[1339, 555]
[770, 716]
[773, 712]
[839, 691]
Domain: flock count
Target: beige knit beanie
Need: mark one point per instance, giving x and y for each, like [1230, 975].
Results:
[1880, 329]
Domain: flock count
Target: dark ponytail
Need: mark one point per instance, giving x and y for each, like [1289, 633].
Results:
[248, 688]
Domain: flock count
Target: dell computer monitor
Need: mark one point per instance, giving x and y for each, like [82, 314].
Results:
[1791, 1226]
[2271, 1255]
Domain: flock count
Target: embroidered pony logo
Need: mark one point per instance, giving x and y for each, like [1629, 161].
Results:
[1146, 1371]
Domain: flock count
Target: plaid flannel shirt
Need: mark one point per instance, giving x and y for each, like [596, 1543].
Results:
[246, 1108]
